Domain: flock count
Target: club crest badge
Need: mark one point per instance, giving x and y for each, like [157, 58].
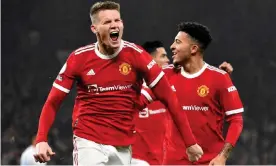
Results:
[125, 68]
[203, 91]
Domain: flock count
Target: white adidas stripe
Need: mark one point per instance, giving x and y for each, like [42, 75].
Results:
[134, 47]
[88, 46]
[89, 49]
[216, 69]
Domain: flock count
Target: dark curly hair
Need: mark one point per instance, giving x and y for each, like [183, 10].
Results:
[198, 32]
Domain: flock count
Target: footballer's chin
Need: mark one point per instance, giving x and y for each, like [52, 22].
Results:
[175, 60]
[114, 43]
[175, 63]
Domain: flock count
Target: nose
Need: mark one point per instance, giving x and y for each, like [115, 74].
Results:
[113, 25]
[172, 47]
[167, 60]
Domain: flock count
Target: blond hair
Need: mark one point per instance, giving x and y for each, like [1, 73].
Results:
[99, 6]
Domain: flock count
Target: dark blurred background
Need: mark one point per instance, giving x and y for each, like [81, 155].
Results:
[37, 36]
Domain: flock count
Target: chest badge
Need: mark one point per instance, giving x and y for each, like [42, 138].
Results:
[203, 91]
[125, 68]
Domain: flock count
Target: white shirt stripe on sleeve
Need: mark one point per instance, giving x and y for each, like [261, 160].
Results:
[231, 112]
[61, 88]
[154, 82]
[147, 95]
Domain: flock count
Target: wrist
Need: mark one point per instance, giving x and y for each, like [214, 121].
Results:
[190, 142]
[41, 138]
[226, 150]
[223, 155]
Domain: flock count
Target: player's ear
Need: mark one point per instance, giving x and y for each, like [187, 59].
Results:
[94, 29]
[194, 49]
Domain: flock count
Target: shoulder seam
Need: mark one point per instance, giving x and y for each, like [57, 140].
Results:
[213, 68]
[84, 49]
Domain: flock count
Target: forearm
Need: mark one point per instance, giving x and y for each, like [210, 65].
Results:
[48, 114]
[163, 92]
[234, 129]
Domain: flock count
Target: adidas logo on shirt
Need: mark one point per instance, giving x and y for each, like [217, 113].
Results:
[91, 72]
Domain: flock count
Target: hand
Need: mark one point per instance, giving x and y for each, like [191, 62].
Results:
[194, 152]
[218, 160]
[226, 67]
[43, 152]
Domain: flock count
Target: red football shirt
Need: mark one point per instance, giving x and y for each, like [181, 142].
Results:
[151, 127]
[151, 124]
[207, 97]
[108, 90]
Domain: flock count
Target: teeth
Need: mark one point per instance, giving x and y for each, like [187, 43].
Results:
[114, 32]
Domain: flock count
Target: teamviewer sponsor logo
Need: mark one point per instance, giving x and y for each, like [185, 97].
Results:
[93, 88]
[146, 112]
[98, 89]
[194, 108]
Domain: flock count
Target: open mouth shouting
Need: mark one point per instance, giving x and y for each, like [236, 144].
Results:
[114, 36]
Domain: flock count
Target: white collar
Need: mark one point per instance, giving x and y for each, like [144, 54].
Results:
[187, 75]
[102, 56]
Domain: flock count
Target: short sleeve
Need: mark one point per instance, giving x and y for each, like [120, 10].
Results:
[151, 72]
[229, 96]
[67, 74]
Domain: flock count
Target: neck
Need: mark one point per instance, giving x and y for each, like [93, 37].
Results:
[106, 50]
[193, 65]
